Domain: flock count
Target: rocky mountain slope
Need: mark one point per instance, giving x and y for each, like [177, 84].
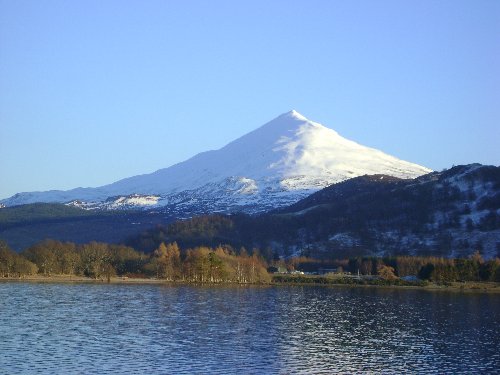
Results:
[275, 165]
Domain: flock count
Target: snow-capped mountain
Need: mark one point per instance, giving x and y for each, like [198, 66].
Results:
[277, 164]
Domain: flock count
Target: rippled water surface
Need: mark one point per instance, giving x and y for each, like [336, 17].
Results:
[158, 329]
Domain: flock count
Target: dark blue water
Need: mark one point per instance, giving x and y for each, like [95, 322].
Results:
[158, 329]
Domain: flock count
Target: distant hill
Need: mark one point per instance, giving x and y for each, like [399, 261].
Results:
[35, 212]
[24, 225]
[451, 213]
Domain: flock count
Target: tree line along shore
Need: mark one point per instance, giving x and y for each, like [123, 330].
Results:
[224, 264]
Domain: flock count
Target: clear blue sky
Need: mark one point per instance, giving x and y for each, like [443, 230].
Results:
[95, 91]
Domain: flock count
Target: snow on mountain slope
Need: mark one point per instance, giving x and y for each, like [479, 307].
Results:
[276, 164]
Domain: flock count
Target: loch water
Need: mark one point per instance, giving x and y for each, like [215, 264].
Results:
[50, 328]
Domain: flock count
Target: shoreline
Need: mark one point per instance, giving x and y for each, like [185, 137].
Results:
[468, 287]
[456, 287]
[83, 279]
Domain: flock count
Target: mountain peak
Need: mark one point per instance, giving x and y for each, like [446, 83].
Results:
[295, 114]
